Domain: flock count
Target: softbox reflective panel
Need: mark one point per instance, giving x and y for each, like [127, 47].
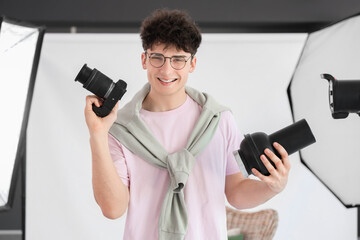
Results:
[335, 159]
[19, 55]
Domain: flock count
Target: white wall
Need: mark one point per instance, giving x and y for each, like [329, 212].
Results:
[248, 73]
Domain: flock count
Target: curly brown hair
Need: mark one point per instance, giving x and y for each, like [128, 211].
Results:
[172, 28]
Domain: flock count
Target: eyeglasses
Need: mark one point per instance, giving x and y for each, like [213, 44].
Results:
[158, 60]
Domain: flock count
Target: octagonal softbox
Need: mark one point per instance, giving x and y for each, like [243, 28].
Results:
[335, 159]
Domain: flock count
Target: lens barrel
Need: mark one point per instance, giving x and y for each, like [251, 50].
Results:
[292, 138]
[95, 81]
[84, 74]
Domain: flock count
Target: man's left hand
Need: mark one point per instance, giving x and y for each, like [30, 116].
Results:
[278, 177]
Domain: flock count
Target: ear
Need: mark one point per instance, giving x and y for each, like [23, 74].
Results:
[192, 64]
[143, 60]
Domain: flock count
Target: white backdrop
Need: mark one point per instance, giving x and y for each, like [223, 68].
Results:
[247, 72]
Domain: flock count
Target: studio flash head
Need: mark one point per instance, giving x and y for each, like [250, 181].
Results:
[344, 96]
[293, 138]
[103, 87]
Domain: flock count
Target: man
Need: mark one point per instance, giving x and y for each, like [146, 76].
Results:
[168, 159]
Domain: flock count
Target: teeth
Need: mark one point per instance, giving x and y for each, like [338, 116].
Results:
[167, 81]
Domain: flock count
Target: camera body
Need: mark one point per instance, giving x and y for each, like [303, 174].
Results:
[103, 87]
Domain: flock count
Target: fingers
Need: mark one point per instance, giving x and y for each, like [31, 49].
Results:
[269, 167]
[116, 107]
[281, 165]
[273, 158]
[98, 102]
[284, 155]
[89, 113]
[277, 179]
[92, 99]
[258, 174]
[281, 150]
[113, 113]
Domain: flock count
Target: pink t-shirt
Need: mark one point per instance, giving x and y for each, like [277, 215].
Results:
[204, 190]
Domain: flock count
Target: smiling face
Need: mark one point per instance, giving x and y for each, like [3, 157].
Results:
[166, 81]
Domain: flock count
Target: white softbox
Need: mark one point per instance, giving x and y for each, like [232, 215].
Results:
[334, 159]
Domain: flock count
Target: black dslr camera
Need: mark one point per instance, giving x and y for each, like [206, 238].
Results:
[103, 87]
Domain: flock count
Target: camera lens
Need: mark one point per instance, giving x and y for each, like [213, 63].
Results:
[84, 74]
[95, 81]
[103, 87]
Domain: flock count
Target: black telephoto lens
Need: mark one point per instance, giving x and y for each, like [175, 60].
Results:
[95, 81]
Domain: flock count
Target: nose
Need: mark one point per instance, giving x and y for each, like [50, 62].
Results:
[167, 66]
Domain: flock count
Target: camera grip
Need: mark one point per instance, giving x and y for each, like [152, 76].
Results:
[110, 102]
[101, 111]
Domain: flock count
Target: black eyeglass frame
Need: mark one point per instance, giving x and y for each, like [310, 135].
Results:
[160, 54]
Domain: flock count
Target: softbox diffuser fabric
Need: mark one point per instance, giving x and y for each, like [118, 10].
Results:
[334, 159]
[20, 46]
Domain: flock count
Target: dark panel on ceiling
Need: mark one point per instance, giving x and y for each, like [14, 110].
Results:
[211, 15]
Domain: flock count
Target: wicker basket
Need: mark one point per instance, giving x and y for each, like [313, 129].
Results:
[259, 225]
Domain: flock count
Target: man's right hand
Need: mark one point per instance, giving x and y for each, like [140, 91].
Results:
[95, 123]
[110, 193]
